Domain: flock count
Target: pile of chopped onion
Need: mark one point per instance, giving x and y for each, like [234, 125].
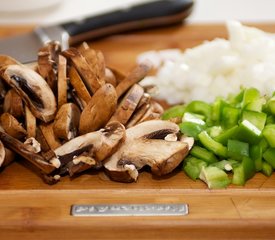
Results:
[215, 68]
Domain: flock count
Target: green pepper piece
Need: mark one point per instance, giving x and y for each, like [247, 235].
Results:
[191, 129]
[225, 165]
[244, 171]
[199, 107]
[270, 105]
[214, 131]
[269, 134]
[250, 95]
[227, 134]
[269, 156]
[236, 100]
[256, 105]
[192, 167]
[214, 177]
[173, 112]
[270, 120]
[216, 110]
[212, 145]
[264, 144]
[230, 117]
[193, 117]
[256, 118]
[237, 149]
[256, 155]
[267, 169]
[203, 154]
[248, 132]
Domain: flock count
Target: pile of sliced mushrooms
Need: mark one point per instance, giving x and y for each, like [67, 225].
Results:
[69, 112]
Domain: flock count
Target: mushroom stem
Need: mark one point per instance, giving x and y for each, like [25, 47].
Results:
[23, 150]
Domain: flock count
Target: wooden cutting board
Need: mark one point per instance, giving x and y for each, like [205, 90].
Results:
[30, 209]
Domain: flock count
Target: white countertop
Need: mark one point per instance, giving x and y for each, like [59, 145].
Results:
[205, 11]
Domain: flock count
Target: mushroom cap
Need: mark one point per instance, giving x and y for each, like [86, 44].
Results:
[2, 153]
[33, 89]
[145, 144]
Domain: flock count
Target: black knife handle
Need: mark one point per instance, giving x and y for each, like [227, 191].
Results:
[157, 13]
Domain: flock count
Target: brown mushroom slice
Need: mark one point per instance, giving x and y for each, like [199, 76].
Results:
[118, 75]
[99, 110]
[112, 135]
[89, 147]
[23, 150]
[110, 77]
[11, 126]
[62, 81]
[48, 133]
[30, 123]
[2, 153]
[9, 157]
[7, 60]
[13, 104]
[161, 155]
[154, 129]
[138, 114]
[88, 75]
[128, 105]
[133, 77]
[47, 62]
[66, 121]
[33, 89]
[79, 86]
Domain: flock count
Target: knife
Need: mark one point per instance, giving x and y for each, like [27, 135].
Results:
[153, 14]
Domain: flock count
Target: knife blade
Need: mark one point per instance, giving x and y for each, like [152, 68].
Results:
[153, 14]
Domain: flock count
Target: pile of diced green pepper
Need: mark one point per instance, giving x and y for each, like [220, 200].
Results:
[234, 137]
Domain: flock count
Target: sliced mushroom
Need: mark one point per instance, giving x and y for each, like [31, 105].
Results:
[66, 122]
[99, 110]
[48, 133]
[13, 104]
[23, 150]
[128, 105]
[118, 75]
[135, 76]
[9, 157]
[47, 63]
[30, 123]
[88, 75]
[110, 77]
[79, 86]
[145, 144]
[89, 147]
[7, 60]
[11, 126]
[62, 81]
[33, 89]
[2, 153]
[161, 155]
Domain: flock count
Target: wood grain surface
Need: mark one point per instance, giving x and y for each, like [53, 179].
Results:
[30, 209]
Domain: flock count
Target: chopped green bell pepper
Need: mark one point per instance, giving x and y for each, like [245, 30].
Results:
[256, 154]
[267, 169]
[237, 149]
[230, 117]
[248, 132]
[199, 107]
[173, 112]
[191, 129]
[244, 171]
[226, 135]
[203, 154]
[258, 119]
[192, 167]
[269, 134]
[212, 145]
[214, 177]
[269, 156]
